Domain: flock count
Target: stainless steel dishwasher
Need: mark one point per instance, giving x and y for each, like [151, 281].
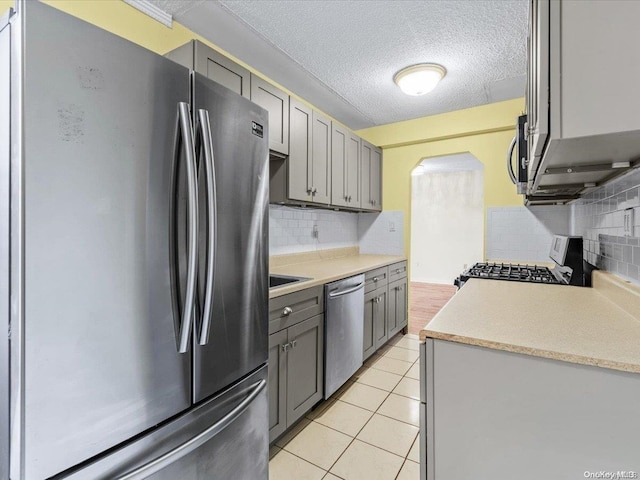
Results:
[344, 331]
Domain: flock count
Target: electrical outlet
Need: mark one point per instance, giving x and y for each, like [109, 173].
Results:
[392, 227]
[628, 222]
[314, 232]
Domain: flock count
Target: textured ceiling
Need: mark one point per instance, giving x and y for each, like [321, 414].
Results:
[341, 55]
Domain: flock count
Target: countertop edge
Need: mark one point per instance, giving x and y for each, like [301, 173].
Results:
[534, 352]
[296, 287]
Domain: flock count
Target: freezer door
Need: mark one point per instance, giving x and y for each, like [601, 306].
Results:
[238, 331]
[101, 362]
[224, 438]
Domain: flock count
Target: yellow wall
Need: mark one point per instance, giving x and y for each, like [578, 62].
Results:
[4, 5]
[484, 131]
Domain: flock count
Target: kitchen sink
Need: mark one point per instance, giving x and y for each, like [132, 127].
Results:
[281, 280]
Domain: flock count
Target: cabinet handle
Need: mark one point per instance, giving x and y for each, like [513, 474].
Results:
[313, 192]
[293, 344]
[346, 198]
[349, 197]
[287, 311]
[285, 347]
[375, 279]
[398, 270]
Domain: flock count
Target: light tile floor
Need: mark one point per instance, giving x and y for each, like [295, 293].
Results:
[368, 430]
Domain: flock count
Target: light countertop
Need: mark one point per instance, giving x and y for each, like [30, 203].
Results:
[326, 267]
[593, 326]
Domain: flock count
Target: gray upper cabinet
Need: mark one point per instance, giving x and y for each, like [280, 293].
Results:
[276, 102]
[299, 171]
[309, 178]
[345, 167]
[205, 60]
[376, 178]
[370, 180]
[321, 159]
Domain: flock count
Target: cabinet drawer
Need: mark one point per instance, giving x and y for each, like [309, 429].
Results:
[375, 279]
[397, 271]
[290, 309]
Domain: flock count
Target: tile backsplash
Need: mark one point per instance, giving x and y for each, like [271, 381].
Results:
[381, 233]
[291, 229]
[523, 234]
[600, 218]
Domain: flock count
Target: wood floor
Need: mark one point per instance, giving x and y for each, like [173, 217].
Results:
[426, 300]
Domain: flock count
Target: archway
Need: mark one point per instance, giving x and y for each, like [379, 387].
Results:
[447, 217]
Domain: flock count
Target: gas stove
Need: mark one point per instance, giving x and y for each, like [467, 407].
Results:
[508, 271]
[566, 252]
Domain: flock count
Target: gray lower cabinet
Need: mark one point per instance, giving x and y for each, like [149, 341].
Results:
[296, 357]
[397, 316]
[375, 321]
[277, 384]
[276, 102]
[214, 65]
[385, 305]
[305, 367]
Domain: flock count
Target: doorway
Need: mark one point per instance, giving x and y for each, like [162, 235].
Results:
[447, 228]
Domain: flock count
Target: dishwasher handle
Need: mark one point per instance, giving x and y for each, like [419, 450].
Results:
[336, 292]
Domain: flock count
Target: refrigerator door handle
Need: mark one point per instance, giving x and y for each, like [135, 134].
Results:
[206, 146]
[190, 445]
[184, 138]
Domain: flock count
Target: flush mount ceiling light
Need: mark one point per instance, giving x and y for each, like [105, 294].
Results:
[419, 79]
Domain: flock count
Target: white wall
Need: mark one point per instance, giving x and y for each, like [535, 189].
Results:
[447, 220]
[523, 234]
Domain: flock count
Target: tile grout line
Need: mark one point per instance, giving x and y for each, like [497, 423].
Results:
[331, 401]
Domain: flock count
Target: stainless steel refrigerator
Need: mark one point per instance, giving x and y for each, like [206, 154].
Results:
[133, 261]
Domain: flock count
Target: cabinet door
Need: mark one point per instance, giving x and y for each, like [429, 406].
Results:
[353, 170]
[538, 86]
[376, 179]
[221, 69]
[369, 341]
[365, 176]
[339, 142]
[276, 102]
[380, 313]
[305, 367]
[300, 172]
[397, 318]
[321, 158]
[277, 385]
